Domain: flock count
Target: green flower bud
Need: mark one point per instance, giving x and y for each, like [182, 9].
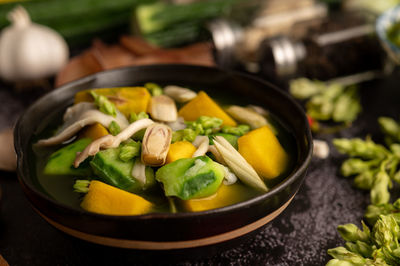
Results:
[354, 166]
[130, 150]
[380, 192]
[154, 88]
[104, 105]
[365, 180]
[386, 231]
[350, 232]
[114, 128]
[134, 117]
[342, 254]
[303, 88]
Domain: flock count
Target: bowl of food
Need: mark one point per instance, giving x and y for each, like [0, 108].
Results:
[162, 157]
[388, 29]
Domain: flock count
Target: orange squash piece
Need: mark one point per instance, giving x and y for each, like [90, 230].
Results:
[106, 199]
[180, 150]
[202, 104]
[93, 132]
[262, 150]
[127, 99]
[225, 196]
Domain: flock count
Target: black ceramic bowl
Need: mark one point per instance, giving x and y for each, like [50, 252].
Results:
[166, 231]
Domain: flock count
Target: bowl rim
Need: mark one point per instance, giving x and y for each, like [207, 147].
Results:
[292, 177]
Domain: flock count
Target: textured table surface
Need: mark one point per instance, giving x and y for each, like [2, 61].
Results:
[299, 236]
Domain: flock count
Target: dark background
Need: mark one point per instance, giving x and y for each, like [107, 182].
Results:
[301, 235]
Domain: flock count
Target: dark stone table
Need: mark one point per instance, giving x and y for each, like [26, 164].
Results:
[301, 235]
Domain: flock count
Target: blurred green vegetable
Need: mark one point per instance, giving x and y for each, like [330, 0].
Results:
[327, 101]
[187, 134]
[205, 125]
[114, 128]
[104, 104]
[154, 88]
[134, 117]
[240, 130]
[379, 246]
[81, 186]
[374, 211]
[175, 24]
[130, 150]
[374, 166]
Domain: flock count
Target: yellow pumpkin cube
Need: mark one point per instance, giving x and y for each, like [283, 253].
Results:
[179, 150]
[93, 132]
[225, 196]
[262, 150]
[201, 105]
[106, 199]
[127, 99]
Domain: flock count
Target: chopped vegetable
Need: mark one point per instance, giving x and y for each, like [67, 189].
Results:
[113, 171]
[163, 108]
[186, 134]
[262, 150]
[93, 132]
[240, 130]
[179, 94]
[127, 99]
[205, 125]
[135, 117]
[61, 161]
[247, 116]
[374, 211]
[242, 169]
[225, 195]
[130, 150]
[390, 128]
[155, 145]
[203, 105]
[81, 186]
[114, 128]
[154, 89]
[191, 178]
[105, 199]
[179, 150]
[104, 104]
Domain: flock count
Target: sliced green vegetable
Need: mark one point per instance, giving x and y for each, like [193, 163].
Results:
[134, 117]
[240, 130]
[154, 88]
[112, 170]
[114, 128]
[187, 134]
[60, 162]
[81, 186]
[104, 104]
[130, 150]
[191, 178]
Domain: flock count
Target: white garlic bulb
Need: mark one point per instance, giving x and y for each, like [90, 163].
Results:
[29, 51]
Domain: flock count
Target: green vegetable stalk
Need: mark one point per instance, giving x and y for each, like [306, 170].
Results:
[154, 88]
[130, 150]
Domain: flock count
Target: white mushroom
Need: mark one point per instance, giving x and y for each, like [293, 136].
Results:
[179, 94]
[162, 108]
[201, 143]
[242, 169]
[110, 141]
[76, 123]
